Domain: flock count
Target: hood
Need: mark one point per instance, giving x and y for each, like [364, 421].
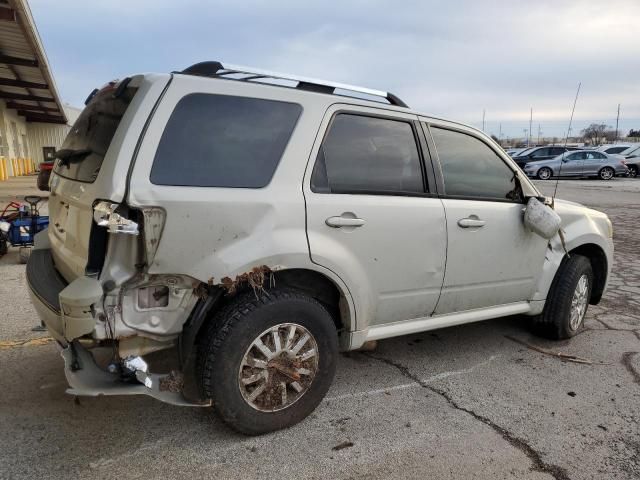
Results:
[568, 208]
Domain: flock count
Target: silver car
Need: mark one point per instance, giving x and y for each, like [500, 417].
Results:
[581, 163]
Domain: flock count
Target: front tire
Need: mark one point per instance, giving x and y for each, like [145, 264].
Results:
[606, 173]
[544, 173]
[567, 301]
[267, 359]
[633, 171]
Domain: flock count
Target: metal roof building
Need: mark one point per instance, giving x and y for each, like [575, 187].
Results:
[32, 116]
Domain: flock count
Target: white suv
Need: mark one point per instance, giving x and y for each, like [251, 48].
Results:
[252, 224]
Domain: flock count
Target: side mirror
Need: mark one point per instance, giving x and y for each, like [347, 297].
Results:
[541, 219]
[565, 159]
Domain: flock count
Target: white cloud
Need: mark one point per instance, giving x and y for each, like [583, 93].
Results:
[451, 58]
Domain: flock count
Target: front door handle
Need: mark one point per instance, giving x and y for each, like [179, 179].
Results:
[471, 222]
[338, 222]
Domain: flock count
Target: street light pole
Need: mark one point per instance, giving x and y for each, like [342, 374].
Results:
[617, 120]
[530, 122]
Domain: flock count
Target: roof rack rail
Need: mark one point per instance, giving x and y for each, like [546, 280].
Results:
[218, 69]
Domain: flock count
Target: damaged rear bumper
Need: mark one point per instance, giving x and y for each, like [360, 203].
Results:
[86, 378]
[66, 309]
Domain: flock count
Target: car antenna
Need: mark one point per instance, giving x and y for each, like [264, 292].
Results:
[566, 139]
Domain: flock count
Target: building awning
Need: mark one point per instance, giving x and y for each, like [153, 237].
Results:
[26, 82]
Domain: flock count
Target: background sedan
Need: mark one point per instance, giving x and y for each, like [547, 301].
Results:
[583, 163]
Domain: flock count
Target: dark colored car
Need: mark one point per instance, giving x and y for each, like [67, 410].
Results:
[43, 176]
[540, 153]
[633, 164]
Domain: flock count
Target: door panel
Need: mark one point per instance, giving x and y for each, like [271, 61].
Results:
[573, 165]
[366, 219]
[592, 163]
[396, 257]
[493, 263]
[492, 259]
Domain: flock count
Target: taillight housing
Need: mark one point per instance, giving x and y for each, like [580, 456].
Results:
[106, 214]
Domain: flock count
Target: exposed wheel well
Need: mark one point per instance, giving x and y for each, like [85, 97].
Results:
[598, 260]
[321, 288]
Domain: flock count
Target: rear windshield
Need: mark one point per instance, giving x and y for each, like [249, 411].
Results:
[88, 141]
[223, 141]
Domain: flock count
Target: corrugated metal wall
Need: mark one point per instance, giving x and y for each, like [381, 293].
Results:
[44, 135]
[48, 134]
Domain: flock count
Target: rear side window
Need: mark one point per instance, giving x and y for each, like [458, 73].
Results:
[223, 141]
[88, 140]
[471, 169]
[368, 155]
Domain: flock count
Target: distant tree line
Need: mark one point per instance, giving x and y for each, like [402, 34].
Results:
[634, 133]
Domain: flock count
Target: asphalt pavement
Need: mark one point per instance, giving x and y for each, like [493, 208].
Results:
[486, 400]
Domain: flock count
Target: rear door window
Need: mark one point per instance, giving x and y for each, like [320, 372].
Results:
[88, 140]
[368, 155]
[223, 141]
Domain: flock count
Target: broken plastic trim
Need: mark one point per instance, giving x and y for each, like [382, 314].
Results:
[90, 380]
[105, 215]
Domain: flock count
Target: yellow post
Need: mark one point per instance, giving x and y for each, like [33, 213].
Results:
[20, 167]
[3, 172]
[14, 167]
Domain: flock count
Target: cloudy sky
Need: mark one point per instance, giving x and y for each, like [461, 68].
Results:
[444, 57]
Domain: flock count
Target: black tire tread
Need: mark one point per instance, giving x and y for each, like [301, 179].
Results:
[551, 322]
[223, 323]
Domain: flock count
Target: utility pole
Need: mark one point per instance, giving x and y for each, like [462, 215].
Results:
[539, 132]
[500, 134]
[617, 120]
[530, 122]
[526, 136]
[483, 112]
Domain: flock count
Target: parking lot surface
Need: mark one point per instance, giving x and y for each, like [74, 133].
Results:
[474, 401]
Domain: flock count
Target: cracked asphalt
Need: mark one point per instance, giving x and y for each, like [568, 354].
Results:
[463, 402]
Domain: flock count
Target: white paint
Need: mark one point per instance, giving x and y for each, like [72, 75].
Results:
[404, 386]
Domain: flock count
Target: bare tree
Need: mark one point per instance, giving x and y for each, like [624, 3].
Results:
[595, 133]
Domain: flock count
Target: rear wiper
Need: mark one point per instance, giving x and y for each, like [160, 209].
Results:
[65, 155]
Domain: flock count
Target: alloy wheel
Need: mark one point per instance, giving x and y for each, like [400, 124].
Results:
[606, 173]
[278, 367]
[579, 302]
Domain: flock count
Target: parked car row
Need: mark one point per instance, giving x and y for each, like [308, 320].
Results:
[605, 161]
[581, 163]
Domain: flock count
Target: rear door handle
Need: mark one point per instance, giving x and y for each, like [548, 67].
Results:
[337, 222]
[471, 222]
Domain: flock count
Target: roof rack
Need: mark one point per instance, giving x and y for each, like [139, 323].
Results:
[237, 72]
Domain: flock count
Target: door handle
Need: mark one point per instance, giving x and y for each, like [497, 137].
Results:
[471, 222]
[338, 222]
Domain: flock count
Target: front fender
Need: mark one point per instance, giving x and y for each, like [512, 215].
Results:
[580, 226]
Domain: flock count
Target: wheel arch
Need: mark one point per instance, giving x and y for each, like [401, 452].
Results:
[599, 264]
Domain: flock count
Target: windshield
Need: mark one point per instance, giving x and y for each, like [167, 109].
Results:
[632, 150]
[524, 152]
[82, 152]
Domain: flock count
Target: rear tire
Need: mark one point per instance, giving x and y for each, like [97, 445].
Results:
[567, 301]
[544, 173]
[254, 390]
[4, 246]
[606, 173]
